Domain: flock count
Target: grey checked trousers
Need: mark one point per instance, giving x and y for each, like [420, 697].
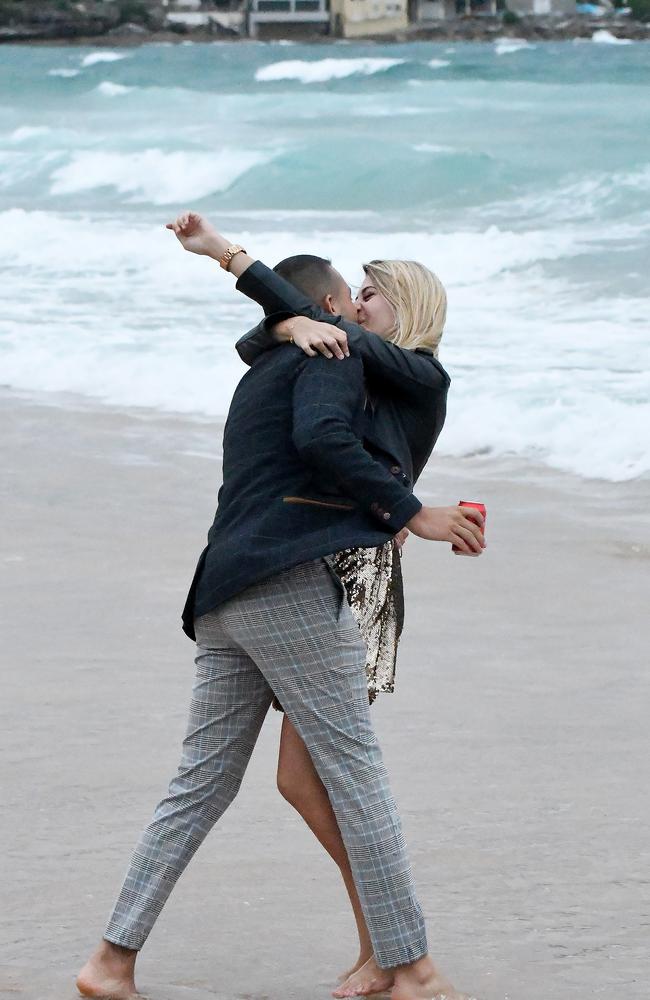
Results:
[292, 635]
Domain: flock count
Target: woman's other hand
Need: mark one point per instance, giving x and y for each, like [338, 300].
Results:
[196, 234]
[462, 526]
[313, 337]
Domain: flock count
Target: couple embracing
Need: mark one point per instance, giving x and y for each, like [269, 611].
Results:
[297, 599]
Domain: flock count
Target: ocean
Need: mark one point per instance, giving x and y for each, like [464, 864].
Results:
[520, 173]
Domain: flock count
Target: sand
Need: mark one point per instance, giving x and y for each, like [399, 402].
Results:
[517, 738]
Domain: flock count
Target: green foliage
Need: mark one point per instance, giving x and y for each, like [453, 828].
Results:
[509, 17]
[136, 11]
[640, 9]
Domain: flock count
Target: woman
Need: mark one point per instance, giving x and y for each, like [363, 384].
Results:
[401, 309]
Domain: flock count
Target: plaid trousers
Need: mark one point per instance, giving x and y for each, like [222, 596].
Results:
[292, 635]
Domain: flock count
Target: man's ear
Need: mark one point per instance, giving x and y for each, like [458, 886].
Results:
[328, 305]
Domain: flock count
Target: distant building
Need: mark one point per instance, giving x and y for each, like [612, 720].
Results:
[424, 11]
[289, 15]
[540, 8]
[360, 18]
[427, 11]
[227, 14]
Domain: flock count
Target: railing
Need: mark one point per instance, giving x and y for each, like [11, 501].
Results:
[289, 6]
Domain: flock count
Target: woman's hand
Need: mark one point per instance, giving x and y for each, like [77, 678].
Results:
[462, 526]
[313, 337]
[197, 235]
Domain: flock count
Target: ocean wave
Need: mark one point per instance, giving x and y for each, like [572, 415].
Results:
[586, 197]
[64, 72]
[505, 46]
[322, 70]
[154, 175]
[536, 372]
[110, 89]
[605, 37]
[438, 63]
[25, 132]
[102, 57]
[583, 432]
[429, 147]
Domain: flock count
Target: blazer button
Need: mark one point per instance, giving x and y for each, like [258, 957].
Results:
[386, 516]
[395, 468]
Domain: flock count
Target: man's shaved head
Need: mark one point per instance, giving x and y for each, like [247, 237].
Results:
[314, 276]
[318, 280]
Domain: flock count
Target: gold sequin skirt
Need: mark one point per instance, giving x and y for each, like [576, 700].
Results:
[372, 579]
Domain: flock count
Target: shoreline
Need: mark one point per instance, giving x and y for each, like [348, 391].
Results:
[469, 29]
[483, 467]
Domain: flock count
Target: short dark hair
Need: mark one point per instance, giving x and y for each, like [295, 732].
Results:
[313, 276]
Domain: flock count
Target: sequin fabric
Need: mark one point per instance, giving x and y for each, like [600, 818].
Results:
[372, 579]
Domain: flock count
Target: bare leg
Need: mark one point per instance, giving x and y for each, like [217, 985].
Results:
[109, 973]
[300, 785]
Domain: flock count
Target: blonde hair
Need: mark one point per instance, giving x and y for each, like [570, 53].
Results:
[418, 299]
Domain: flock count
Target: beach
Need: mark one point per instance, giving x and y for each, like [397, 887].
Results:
[516, 738]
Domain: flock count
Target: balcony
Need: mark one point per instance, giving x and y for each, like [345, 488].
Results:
[295, 12]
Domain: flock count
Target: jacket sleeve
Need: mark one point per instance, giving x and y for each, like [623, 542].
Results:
[327, 397]
[404, 371]
[278, 298]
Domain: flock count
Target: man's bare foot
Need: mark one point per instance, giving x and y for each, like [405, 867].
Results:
[109, 973]
[423, 981]
[365, 981]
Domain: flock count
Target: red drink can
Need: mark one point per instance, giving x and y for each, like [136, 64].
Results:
[476, 506]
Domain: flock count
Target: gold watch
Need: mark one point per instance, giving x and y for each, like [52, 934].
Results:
[227, 256]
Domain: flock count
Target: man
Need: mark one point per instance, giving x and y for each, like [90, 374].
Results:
[269, 618]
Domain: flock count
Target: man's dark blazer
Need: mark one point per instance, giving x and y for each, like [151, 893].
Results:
[407, 389]
[297, 482]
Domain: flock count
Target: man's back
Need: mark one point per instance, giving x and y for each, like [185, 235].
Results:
[297, 483]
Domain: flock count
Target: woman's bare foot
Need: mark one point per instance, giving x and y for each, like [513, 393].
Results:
[109, 973]
[357, 965]
[422, 981]
[365, 981]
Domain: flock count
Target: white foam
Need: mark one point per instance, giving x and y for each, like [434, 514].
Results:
[154, 175]
[429, 147]
[102, 57]
[64, 72]
[605, 37]
[538, 369]
[504, 46]
[321, 70]
[110, 89]
[25, 132]
[438, 63]
[585, 197]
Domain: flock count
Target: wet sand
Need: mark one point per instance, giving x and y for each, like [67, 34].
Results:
[517, 738]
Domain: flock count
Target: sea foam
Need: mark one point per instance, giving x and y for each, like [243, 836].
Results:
[605, 37]
[102, 57]
[156, 328]
[110, 89]
[321, 70]
[505, 46]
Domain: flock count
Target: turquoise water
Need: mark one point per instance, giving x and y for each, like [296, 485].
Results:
[521, 174]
